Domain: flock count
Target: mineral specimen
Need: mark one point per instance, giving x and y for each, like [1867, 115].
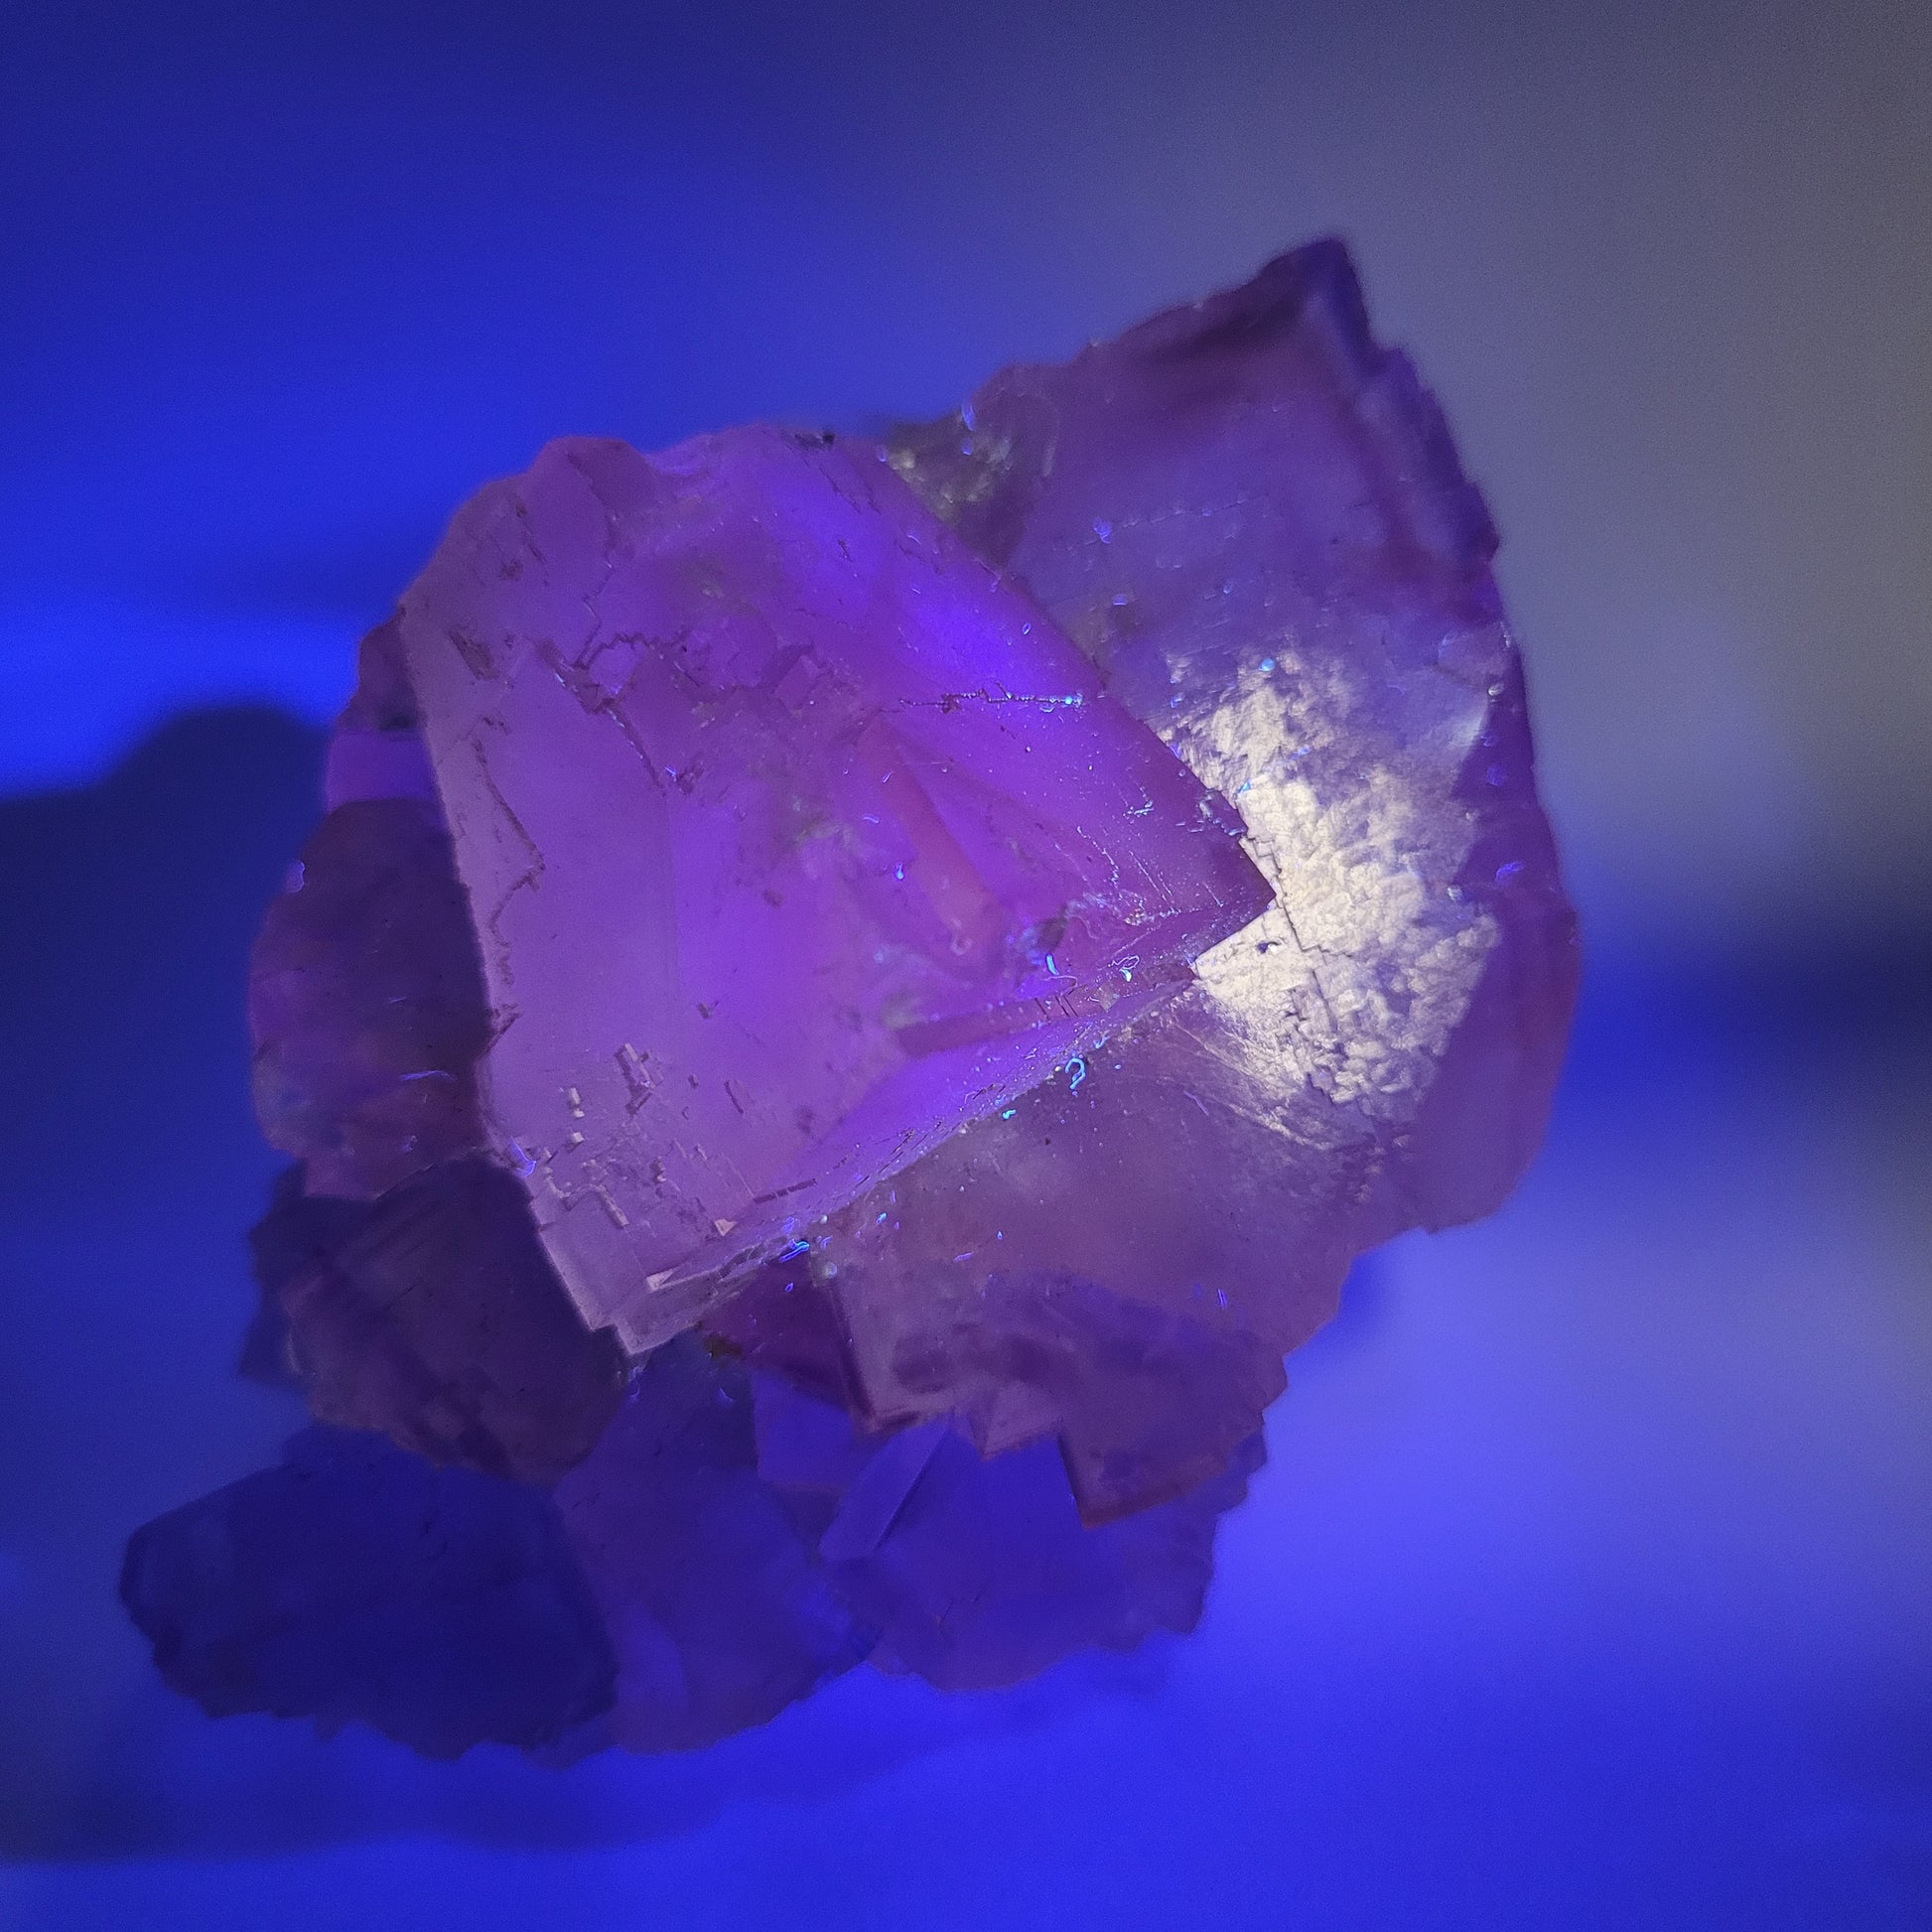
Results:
[833, 913]
[942, 953]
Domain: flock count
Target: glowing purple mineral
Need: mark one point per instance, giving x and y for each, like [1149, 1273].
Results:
[794, 839]
[1047, 895]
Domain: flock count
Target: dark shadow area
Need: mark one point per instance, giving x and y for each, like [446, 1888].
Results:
[123, 962]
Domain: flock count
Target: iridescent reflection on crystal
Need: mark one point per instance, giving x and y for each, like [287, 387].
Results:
[850, 1006]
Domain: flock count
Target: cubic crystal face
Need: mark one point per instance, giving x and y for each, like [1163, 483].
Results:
[940, 955]
[1250, 516]
[795, 841]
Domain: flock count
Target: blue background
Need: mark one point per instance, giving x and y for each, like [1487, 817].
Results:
[1590, 1583]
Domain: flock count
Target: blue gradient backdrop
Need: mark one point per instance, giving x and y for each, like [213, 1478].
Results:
[1590, 1583]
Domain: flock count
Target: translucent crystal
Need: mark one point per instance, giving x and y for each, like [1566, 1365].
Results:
[793, 838]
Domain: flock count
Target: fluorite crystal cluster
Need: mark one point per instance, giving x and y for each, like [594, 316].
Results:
[850, 1004]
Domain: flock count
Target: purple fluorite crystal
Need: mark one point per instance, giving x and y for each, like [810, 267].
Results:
[709, 1584]
[731, 1545]
[989, 1575]
[943, 954]
[355, 1582]
[365, 999]
[1147, 1402]
[1251, 518]
[794, 839]
[828, 901]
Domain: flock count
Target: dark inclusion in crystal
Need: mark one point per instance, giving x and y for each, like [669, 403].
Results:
[848, 1008]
